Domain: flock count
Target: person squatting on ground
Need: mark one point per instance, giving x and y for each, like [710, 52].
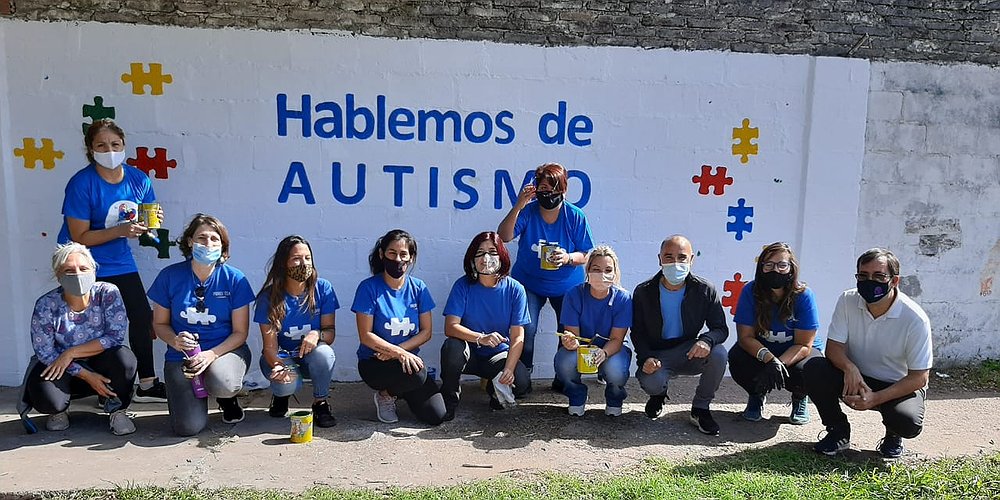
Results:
[776, 321]
[296, 311]
[669, 311]
[484, 323]
[202, 311]
[100, 210]
[879, 356]
[78, 335]
[393, 312]
[553, 240]
[598, 313]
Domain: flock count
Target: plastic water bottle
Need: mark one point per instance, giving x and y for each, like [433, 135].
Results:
[198, 382]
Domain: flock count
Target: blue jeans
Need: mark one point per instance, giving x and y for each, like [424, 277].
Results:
[317, 365]
[614, 370]
[535, 303]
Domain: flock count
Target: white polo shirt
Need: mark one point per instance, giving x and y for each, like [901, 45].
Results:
[887, 347]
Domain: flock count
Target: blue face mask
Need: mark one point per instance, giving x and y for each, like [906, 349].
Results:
[205, 256]
[676, 273]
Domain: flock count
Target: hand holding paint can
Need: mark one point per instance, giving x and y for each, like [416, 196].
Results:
[546, 253]
[149, 215]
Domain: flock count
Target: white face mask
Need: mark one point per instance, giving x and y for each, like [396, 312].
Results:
[600, 281]
[109, 160]
[491, 264]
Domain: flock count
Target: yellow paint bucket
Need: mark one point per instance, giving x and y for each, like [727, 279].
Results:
[149, 215]
[546, 253]
[302, 426]
[585, 359]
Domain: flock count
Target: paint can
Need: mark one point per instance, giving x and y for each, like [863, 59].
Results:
[585, 359]
[546, 253]
[149, 215]
[302, 426]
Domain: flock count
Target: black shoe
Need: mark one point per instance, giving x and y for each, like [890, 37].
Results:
[495, 403]
[279, 406]
[449, 415]
[232, 412]
[702, 419]
[155, 394]
[891, 446]
[835, 441]
[654, 406]
[321, 414]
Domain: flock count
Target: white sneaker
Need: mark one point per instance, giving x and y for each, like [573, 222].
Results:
[504, 392]
[121, 424]
[58, 421]
[613, 411]
[385, 408]
[577, 411]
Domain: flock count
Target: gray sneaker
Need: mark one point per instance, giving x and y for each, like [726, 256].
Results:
[58, 421]
[385, 408]
[121, 424]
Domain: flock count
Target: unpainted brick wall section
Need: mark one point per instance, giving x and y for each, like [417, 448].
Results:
[900, 30]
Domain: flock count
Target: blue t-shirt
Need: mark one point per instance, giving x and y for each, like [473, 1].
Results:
[805, 316]
[298, 320]
[487, 310]
[395, 313]
[597, 316]
[226, 290]
[670, 311]
[570, 231]
[91, 198]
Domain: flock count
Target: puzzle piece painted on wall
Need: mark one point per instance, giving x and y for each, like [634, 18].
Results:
[96, 111]
[744, 148]
[161, 242]
[139, 78]
[717, 182]
[733, 287]
[741, 215]
[32, 154]
[158, 163]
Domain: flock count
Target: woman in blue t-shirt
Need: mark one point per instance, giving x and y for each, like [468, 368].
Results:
[393, 311]
[296, 311]
[484, 321]
[100, 210]
[553, 240]
[776, 321]
[201, 309]
[600, 311]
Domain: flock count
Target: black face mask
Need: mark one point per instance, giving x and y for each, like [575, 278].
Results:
[873, 291]
[394, 268]
[775, 280]
[549, 200]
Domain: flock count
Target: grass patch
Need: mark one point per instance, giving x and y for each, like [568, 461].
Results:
[782, 472]
[986, 374]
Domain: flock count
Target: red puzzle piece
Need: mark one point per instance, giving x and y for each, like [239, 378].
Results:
[718, 182]
[158, 163]
[734, 287]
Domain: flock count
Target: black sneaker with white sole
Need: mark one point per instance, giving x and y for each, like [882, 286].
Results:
[702, 419]
[155, 394]
[837, 439]
[232, 412]
[655, 406]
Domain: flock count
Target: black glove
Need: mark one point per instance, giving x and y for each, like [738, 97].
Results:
[772, 376]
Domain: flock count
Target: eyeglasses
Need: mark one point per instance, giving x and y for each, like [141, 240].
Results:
[479, 255]
[879, 277]
[782, 266]
[199, 293]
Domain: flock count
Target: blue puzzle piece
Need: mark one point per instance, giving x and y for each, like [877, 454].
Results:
[741, 214]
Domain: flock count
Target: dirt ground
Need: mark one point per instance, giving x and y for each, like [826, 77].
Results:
[360, 451]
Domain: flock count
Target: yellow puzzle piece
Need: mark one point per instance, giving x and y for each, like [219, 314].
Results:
[744, 148]
[32, 154]
[139, 79]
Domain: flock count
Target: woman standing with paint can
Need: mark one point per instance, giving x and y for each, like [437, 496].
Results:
[554, 238]
[597, 313]
[393, 312]
[296, 311]
[101, 211]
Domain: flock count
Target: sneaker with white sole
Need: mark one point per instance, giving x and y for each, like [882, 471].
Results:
[155, 394]
[504, 392]
[232, 412]
[385, 408]
[577, 410]
[613, 411]
[58, 421]
[835, 441]
[121, 424]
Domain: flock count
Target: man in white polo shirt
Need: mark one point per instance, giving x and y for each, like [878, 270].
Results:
[878, 357]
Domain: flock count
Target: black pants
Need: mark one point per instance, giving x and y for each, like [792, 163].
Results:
[140, 319]
[117, 364]
[903, 416]
[457, 358]
[420, 392]
[744, 368]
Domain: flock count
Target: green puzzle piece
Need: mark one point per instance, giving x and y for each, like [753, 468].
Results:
[162, 242]
[96, 111]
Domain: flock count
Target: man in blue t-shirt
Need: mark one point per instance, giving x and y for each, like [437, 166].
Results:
[669, 311]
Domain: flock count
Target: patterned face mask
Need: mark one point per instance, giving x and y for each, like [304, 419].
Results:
[300, 273]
